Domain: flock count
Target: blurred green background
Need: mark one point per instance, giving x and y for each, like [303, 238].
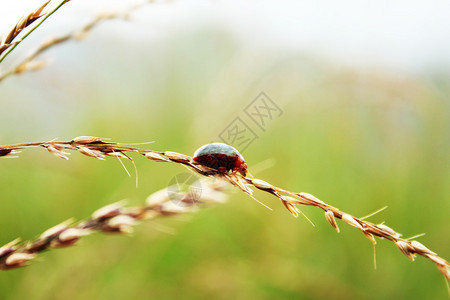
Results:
[357, 138]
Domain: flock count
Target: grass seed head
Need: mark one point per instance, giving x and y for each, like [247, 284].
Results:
[311, 197]
[123, 223]
[388, 230]
[108, 211]
[53, 150]
[9, 247]
[87, 140]
[91, 153]
[55, 230]
[369, 236]
[291, 208]
[178, 157]
[18, 259]
[329, 215]
[406, 249]
[420, 248]
[351, 221]
[156, 157]
[262, 185]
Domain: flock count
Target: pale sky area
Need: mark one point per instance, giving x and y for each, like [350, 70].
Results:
[412, 36]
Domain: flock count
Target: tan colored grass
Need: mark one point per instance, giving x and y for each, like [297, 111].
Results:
[30, 62]
[15, 36]
[11, 39]
[115, 217]
[98, 148]
[112, 218]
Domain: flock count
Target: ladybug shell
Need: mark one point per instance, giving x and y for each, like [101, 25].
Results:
[221, 157]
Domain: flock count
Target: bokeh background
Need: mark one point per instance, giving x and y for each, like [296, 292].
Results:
[364, 92]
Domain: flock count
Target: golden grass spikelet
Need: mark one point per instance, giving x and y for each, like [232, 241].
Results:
[436, 259]
[55, 229]
[351, 221]
[369, 236]
[291, 208]
[262, 185]
[10, 42]
[87, 140]
[406, 249]
[108, 211]
[23, 23]
[295, 200]
[157, 198]
[420, 248]
[9, 247]
[71, 234]
[112, 218]
[162, 205]
[53, 150]
[116, 154]
[19, 259]
[444, 269]
[177, 157]
[30, 66]
[123, 223]
[311, 198]
[91, 152]
[329, 215]
[388, 230]
[156, 157]
[27, 63]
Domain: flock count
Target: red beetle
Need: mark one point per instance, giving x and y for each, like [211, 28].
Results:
[221, 157]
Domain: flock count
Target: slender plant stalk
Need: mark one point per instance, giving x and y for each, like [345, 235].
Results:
[45, 17]
[97, 148]
[113, 218]
[29, 63]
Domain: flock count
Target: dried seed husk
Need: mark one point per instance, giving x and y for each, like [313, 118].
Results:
[262, 185]
[175, 156]
[351, 221]
[329, 215]
[87, 140]
[156, 157]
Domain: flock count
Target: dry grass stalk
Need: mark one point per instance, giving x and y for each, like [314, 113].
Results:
[11, 40]
[98, 148]
[29, 63]
[23, 23]
[112, 218]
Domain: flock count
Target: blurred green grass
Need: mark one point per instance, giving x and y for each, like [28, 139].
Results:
[358, 139]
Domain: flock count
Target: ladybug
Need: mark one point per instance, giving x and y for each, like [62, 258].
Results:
[221, 157]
